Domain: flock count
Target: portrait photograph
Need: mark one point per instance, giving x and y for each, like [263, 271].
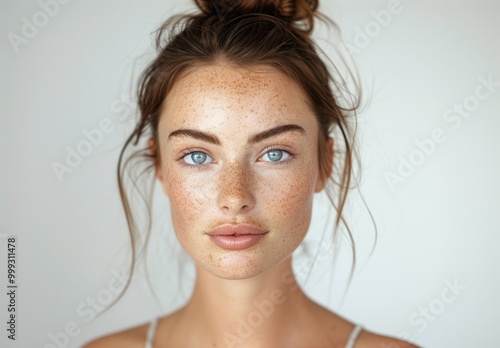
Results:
[250, 174]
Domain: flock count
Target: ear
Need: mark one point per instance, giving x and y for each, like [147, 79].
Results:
[157, 166]
[326, 169]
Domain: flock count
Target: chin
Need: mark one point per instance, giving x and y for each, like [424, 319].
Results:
[240, 264]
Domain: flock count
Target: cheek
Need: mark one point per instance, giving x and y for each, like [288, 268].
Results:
[188, 193]
[188, 203]
[290, 199]
[289, 196]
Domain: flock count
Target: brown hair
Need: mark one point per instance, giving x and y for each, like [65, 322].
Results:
[245, 33]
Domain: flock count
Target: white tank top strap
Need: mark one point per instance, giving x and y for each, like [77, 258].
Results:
[354, 336]
[151, 333]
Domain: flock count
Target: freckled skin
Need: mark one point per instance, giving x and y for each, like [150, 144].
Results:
[238, 186]
[239, 183]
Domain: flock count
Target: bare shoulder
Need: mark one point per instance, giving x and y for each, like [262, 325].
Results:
[134, 337]
[369, 339]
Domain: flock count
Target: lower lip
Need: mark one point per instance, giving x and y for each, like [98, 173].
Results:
[237, 242]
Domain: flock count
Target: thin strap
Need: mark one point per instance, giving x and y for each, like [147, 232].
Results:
[354, 336]
[151, 333]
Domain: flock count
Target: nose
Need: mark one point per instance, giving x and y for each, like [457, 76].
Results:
[235, 194]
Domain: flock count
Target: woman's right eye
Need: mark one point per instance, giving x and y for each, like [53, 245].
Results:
[195, 158]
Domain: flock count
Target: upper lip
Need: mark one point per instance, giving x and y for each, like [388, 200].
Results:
[239, 229]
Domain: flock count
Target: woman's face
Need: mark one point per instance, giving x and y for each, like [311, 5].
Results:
[215, 170]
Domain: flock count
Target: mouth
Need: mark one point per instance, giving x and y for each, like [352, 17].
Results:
[236, 237]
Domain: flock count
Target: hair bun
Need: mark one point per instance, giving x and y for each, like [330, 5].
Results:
[291, 10]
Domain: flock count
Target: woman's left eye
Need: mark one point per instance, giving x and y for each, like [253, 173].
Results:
[277, 155]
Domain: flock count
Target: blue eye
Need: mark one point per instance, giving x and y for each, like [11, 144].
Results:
[197, 157]
[275, 155]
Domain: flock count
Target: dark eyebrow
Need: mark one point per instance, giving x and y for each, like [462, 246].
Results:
[213, 139]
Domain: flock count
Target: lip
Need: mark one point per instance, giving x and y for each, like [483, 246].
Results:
[236, 237]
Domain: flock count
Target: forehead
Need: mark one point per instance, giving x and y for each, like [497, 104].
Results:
[225, 93]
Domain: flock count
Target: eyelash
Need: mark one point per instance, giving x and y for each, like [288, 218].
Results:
[189, 151]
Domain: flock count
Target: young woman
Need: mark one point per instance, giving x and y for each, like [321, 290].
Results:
[240, 115]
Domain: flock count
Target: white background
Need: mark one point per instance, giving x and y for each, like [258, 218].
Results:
[439, 225]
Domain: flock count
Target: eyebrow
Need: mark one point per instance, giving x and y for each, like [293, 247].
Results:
[213, 139]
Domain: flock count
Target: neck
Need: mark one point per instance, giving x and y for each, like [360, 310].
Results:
[245, 312]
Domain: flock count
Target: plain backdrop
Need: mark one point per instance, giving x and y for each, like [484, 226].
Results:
[430, 172]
